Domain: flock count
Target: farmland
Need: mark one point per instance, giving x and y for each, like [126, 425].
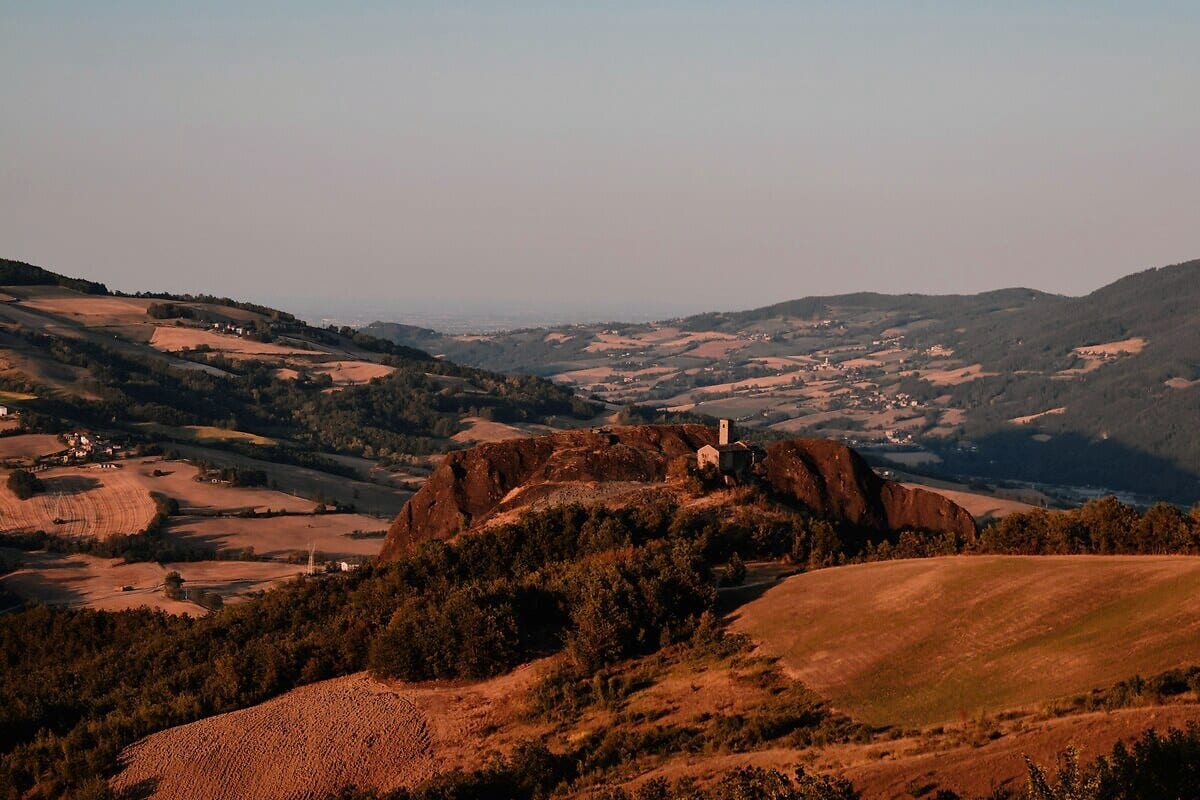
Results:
[1012, 385]
[935, 640]
[85, 502]
[100, 583]
[242, 522]
[29, 445]
[277, 537]
[316, 739]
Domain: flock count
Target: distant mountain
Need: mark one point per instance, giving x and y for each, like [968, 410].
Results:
[1101, 390]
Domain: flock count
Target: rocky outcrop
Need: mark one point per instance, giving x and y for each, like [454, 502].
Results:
[470, 485]
[834, 481]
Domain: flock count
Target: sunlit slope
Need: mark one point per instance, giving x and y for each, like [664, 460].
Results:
[932, 640]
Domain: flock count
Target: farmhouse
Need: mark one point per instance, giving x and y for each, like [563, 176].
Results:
[730, 458]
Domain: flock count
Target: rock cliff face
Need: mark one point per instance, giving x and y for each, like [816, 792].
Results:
[834, 481]
[471, 486]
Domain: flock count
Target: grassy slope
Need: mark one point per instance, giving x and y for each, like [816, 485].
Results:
[934, 640]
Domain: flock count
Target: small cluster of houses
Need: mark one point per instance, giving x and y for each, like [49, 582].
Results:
[85, 446]
[231, 329]
[898, 437]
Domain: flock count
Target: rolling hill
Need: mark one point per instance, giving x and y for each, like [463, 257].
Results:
[940, 640]
[1095, 391]
[240, 377]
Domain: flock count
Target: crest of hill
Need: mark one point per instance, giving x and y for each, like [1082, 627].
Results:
[18, 273]
[473, 486]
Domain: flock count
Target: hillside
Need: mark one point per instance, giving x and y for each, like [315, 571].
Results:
[699, 710]
[239, 377]
[627, 465]
[224, 438]
[930, 641]
[1092, 391]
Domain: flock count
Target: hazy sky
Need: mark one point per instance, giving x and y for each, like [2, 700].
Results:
[598, 155]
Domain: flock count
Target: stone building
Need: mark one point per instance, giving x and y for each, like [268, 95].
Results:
[729, 457]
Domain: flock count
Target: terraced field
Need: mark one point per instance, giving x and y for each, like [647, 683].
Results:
[936, 640]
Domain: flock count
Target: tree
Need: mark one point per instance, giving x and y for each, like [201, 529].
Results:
[24, 484]
[173, 585]
[735, 572]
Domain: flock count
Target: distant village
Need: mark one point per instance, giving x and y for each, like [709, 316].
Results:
[84, 447]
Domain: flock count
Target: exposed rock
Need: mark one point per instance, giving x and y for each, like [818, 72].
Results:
[472, 486]
[834, 481]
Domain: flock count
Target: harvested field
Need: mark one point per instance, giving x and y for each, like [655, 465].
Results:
[88, 502]
[585, 376]
[93, 310]
[275, 537]
[860, 363]
[369, 498]
[954, 376]
[317, 739]
[482, 430]
[307, 743]
[82, 580]
[346, 373]
[172, 339]
[1034, 417]
[717, 348]
[1124, 347]
[179, 481]
[29, 445]
[611, 341]
[933, 640]
[204, 433]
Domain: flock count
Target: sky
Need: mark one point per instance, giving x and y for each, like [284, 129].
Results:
[597, 158]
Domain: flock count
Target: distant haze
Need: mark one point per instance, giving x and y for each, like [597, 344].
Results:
[564, 158]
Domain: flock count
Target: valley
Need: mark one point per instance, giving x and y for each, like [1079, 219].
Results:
[390, 567]
[1012, 386]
